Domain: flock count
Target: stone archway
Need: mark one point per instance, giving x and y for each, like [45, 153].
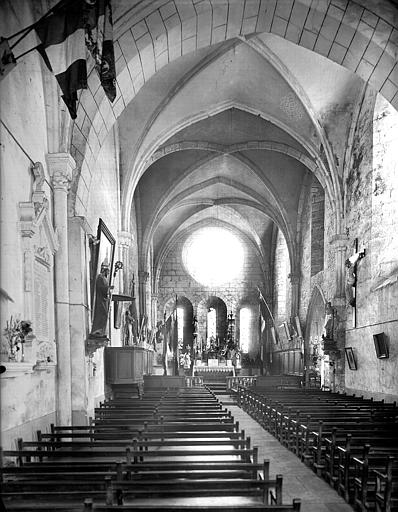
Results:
[316, 361]
[220, 307]
[187, 328]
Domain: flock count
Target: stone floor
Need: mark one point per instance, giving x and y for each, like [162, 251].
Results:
[298, 480]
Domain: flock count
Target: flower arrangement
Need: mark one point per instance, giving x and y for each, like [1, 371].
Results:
[15, 332]
[185, 358]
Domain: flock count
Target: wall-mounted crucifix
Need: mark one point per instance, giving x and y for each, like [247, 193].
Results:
[351, 279]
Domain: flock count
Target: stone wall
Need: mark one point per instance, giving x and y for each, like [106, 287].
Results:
[281, 282]
[317, 226]
[27, 399]
[372, 212]
[33, 403]
[371, 199]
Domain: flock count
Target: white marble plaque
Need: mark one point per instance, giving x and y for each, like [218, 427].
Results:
[41, 291]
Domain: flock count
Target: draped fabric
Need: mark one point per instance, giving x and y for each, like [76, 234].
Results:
[62, 36]
[64, 33]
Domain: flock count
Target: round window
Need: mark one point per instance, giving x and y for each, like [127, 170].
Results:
[213, 256]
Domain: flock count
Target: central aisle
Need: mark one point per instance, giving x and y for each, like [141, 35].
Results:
[298, 480]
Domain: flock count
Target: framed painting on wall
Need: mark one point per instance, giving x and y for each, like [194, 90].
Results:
[352, 363]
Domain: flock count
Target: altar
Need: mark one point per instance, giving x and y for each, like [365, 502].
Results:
[214, 367]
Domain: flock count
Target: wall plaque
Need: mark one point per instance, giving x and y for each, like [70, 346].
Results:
[41, 295]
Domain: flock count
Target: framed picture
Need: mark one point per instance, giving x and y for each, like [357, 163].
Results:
[104, 254]
[352, 363]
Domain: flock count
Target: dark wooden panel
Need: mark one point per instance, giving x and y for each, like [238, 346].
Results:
[126, 365]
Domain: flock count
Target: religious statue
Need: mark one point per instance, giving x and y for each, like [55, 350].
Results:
[101, 304]
[235, 356]
[351, 276]
[159, 335]
[130, 318]
[328, 324]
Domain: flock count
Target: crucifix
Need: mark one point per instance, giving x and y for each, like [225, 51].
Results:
[351, 283]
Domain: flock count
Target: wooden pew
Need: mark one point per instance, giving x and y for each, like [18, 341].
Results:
[321, 446]
[325, 448]
[89, 506]
[119, 490]
[295, 506]
[61, 466]
[387, 486]
[96, 427]
[375, 474]
[354, 449]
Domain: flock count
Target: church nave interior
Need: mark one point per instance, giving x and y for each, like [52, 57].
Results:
[199, 203]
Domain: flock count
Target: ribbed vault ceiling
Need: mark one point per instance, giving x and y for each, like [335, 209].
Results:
[231, 135]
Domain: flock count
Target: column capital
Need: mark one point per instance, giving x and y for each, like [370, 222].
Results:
[143, 276]
[60, 167]
[340, 242]
[125, 238]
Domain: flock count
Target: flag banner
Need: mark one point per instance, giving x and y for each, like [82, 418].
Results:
[66, 33]
[143, 328]
[134, 319]
[175, 342]
[62, 35]
[7, 59]
[117, 315]
[175, 333]
[168, 337]
[99, 41]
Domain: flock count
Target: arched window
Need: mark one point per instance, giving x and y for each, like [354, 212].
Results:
[211, 323]
[245, 317]
[213, 256]
[180, 323]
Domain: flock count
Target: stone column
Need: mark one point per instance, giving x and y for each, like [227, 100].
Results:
[60, 166]
[142, 287]
[295, 284]
[124, 239]
[339, 242]
[78, 229]
[154, 313]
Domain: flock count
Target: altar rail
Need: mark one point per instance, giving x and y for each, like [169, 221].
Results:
[193, 382]
[233, 383]
[213, 369]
